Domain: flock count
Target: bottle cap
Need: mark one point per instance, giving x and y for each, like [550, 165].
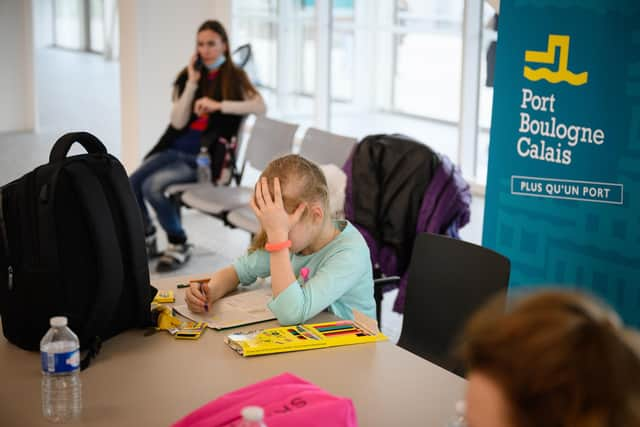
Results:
[252, 413]
[58, 321]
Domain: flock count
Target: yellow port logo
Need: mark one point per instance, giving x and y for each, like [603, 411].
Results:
[562, 74]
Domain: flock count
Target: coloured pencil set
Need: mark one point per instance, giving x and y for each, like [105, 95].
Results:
[303, 337]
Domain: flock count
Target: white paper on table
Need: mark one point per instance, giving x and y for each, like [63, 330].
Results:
[236, 309]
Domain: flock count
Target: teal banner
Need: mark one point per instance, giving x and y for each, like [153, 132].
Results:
[563, 188]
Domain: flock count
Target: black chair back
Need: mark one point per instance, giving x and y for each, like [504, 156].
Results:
[448, 280]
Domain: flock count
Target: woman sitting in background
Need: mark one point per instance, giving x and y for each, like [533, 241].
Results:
[210, 97]
[555, 359]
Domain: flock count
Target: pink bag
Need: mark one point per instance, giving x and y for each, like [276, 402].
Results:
[287, 401]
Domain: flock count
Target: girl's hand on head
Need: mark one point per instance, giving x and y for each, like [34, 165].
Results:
[270, 211]
[206, 105]
[197, 296]
[192, 73]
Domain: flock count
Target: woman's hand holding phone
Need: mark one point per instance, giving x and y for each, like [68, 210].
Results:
[193, 70]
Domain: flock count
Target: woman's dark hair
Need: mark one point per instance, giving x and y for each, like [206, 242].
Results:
[561, 359]
[231, 83]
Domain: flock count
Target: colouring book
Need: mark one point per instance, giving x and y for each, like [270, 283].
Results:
[241, 308]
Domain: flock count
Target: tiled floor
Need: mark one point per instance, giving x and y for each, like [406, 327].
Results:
[81, 92]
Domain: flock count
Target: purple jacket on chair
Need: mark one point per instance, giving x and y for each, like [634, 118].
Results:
[444, 209]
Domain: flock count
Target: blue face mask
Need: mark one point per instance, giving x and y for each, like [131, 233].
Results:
[217, 63]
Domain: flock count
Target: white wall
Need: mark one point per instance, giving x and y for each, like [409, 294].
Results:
[157, 38]
[16, 66]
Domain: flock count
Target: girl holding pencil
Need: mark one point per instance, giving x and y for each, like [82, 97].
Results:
[315, 263]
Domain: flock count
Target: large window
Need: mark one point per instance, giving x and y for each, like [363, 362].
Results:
[427, 58]
[395, 66]
[343, 51]
[282, 35]
[87, 25]
[263, 36]
[96, 25]
[489, 38]
[69, 26]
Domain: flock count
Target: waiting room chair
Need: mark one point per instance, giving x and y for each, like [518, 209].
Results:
[324, 147]
[175, 191]
[318, 146]
[241, 55]
[269, 139]
[244, 219]
[448, 280]
[398, 187]
[244, 58]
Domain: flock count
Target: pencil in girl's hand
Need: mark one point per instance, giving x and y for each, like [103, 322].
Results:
[206, 305]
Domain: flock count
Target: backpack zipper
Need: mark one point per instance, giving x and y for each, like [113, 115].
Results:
[10, 278]
[5, 239]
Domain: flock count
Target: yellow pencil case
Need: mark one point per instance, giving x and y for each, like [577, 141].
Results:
[163, 297]
[190, 331]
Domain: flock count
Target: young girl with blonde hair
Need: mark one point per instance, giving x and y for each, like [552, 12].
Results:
[315, 263]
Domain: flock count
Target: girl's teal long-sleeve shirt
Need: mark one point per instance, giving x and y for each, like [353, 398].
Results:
[339, 278]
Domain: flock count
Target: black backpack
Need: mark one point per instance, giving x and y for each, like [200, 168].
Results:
[72, 244]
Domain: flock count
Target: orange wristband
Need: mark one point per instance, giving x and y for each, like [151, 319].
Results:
[275, 247]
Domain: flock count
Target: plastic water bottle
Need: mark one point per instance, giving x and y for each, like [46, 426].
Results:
[204, 165]
[459, 420]
[61, 387]
[252, 416]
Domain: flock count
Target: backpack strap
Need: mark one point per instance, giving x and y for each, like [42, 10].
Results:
[94, 349]
[103, 235]
[63, 144]
[136, 255]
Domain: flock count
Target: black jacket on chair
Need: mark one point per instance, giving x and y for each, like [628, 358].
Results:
[390, 174]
